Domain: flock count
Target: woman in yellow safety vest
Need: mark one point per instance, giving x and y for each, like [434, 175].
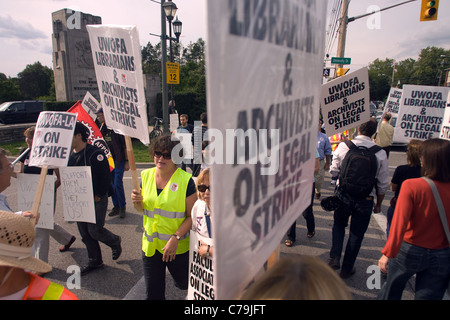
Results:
[166, 198]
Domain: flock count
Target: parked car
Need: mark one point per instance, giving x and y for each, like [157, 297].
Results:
[373, 109]
[20, 111]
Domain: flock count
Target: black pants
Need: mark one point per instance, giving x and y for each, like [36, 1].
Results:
[92, 233]
[308, 214]
[155, 274]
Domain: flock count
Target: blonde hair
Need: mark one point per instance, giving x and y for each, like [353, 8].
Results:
[299, 278]
[201, 177]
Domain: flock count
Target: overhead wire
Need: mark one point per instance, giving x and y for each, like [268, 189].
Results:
[333, 26]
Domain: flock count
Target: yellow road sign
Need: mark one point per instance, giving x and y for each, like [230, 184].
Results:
[173, 73]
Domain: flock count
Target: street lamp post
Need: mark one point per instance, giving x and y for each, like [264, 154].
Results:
[168, 10]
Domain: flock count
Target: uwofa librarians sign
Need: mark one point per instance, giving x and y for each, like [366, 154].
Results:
[345, 102]
[264, 76]
[117, 58]
[421, 113]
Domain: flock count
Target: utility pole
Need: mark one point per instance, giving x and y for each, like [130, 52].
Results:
[165, 97]
[342, 31]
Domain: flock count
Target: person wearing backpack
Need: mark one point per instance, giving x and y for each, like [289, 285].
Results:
[363, 173]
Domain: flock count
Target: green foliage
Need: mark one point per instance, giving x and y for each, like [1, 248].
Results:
[190, 94]
[428, 70]
[35, 81]
[9, 89]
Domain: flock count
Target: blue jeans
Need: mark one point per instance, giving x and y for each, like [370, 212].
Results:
[118, 198]
[431, 267]
[389, 216]
[360, 211]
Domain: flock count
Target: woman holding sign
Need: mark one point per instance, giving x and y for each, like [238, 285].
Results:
[166, 197]
[201, 213]
[42, 243]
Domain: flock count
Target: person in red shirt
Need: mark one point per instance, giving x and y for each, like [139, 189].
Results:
[417, 244]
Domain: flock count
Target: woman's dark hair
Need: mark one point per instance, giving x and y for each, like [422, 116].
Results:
[164, 143]
[435, 155]
[413, 152]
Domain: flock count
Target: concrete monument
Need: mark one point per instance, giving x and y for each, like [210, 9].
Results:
[73, 66]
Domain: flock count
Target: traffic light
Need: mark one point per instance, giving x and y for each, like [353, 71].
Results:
[341, 71]
[326, 72]
[429, 10]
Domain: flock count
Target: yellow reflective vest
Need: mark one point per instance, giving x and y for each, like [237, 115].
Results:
[164, 213]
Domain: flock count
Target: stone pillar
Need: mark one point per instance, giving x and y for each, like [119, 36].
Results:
[73, 66]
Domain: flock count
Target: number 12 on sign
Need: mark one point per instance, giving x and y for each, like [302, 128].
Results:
[173, 73]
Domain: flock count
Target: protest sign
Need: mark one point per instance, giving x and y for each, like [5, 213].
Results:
[345, 102]
[77, 194]
[445, 130]
[118, 67]
[95, 138]
[421, 113]
[174, 122]
[27, 186]
[264, 76]
[52, 139]
[201, 270]
[393, 101]
[90, 105]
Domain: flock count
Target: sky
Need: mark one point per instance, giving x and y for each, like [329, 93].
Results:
[26, 28]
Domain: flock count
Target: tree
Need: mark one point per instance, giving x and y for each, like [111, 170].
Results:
[380, 78]
[151, 58]
[190, 94]
[9, 89]
[403, 72]
[429, 70]
[430, 67]
[35, 81]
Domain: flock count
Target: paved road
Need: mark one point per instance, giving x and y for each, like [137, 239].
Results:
[122, 279]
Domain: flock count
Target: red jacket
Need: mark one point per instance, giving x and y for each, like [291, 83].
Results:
[42, 289]
[416, 218]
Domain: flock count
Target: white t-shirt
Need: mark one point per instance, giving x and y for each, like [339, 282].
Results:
[198, 215]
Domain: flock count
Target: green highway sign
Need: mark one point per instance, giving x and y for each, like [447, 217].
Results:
[337, 60]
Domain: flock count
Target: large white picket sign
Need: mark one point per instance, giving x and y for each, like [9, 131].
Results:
[52, 139]
[118, 67]
[77, 194]
[393, 101]
[264, 78]
[445, 130]
[345, 102]
[201, 270]
[421, 113]
[27, 185]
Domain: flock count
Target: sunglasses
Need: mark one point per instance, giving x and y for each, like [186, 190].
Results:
[165, 155]
[203, 188]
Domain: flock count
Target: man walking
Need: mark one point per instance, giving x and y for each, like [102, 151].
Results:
[357, 206]
[85, 154]
[324, 149]
[117, 146]
[385, 134]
